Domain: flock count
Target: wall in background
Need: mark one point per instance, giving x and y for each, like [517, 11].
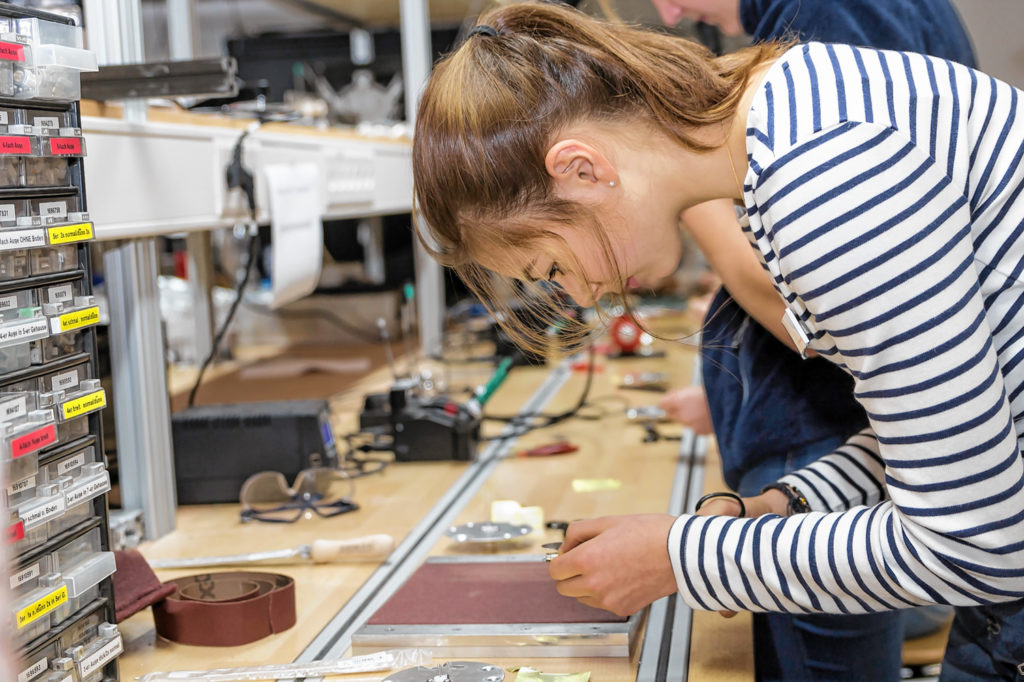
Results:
[995, 27]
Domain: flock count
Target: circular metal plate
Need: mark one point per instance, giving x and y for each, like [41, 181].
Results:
[452, 671]
[487, 532]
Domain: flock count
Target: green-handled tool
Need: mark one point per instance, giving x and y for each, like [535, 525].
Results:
[484, 392]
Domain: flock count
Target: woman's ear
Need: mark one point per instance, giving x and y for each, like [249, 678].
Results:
[579, 171]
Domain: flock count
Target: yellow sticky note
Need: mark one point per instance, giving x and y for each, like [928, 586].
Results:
[593, 485]
[531, 675]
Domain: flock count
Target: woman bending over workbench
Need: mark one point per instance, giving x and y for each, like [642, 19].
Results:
[883, 196]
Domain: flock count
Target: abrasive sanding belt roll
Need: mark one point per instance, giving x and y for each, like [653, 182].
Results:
[226, 609]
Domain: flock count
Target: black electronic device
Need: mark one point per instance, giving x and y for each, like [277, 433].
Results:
[421, 428]
[216, 447]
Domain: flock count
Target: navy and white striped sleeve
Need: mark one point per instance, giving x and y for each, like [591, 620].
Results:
[870, 245]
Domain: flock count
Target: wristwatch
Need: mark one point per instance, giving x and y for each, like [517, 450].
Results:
[796, 503]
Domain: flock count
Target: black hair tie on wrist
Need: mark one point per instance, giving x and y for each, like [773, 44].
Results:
[484, 30]
[731, 496]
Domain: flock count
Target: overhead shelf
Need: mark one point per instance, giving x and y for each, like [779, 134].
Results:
[167, 175]
[377, 13]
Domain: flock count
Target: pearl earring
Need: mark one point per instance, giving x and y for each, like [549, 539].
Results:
[611, 184]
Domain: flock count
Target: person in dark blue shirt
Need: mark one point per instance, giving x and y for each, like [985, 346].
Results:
[773, 412]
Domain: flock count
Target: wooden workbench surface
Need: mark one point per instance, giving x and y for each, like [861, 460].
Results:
[395, 501]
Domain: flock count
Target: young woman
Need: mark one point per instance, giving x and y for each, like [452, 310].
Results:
[883, 193]
[772, 411]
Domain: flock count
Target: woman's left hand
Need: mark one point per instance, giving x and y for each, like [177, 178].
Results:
[617, 563]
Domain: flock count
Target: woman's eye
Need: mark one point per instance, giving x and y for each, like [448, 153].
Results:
[554, 272]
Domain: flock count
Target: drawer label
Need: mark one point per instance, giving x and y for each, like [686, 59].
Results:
[13, 333]
[65, 145]
[34, 670]
[84, 405]
[64, 381]
[46, 122]
[15, 145]
[12, 409]
[12, 52]
[76, 320]
[51, 210]
[42, 512]
[22, 577]
[95, 661]
[66, 466]
[8, 212]
[35, 440]
[86, 492]
[23, 484]
[15, 532]
[60, 294]
[68, 234]
[8, 302]
[21, 239]
[33, 612]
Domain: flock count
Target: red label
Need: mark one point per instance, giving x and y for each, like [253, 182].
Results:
[15, 532]
[30, 442]
[12, 52]
[65, 145]
[15, 145]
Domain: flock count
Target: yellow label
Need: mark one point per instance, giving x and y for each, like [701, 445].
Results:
[43, 606]
[84, 405]
[66, 234]
[593, 485]
[86, 317]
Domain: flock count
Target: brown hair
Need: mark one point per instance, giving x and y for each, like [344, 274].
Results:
[491, 108]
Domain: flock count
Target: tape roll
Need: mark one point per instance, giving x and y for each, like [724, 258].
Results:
[226, 609]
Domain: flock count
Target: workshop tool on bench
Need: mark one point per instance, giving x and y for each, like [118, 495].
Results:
[369, 548]
[452, 671]
[553, 550]
[487, 532]
[500, 606]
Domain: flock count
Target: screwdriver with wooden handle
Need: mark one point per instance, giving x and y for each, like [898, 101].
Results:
[368, 548]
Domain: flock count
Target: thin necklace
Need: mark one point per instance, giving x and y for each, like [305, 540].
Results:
[735, 175]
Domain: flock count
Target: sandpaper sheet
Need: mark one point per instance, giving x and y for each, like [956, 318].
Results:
[447, 593]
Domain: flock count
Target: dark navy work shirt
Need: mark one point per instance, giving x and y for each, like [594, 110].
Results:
[765, 401]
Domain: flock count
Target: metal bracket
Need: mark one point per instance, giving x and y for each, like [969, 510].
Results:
[216, 77]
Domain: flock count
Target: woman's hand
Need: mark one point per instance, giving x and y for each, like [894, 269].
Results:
[616, 563]
[688, 406]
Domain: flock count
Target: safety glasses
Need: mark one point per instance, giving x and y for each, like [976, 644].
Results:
[266, 496]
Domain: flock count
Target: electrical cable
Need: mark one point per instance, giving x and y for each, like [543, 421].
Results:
[236, 175]
[520, 422]
[253, 243]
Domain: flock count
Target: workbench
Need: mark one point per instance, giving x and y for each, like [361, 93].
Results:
[415, 501]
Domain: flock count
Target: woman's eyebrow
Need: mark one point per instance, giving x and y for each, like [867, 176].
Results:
[528, 272]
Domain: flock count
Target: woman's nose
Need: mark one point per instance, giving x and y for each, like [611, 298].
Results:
[578, 290]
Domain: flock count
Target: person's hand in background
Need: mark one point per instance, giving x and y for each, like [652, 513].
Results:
[688, 406]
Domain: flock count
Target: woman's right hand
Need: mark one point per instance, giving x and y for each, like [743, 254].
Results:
[688, 406]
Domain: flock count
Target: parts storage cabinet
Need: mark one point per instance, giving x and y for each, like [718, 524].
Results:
[51, 446]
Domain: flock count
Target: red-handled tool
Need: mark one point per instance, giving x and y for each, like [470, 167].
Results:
[559, 447]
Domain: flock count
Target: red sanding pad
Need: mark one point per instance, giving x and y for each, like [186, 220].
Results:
[484, 592]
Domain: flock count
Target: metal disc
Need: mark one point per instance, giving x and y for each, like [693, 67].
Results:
[452, 671]
[487, 532]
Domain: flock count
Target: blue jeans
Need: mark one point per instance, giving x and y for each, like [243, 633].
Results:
[986, 643]
[820, 647]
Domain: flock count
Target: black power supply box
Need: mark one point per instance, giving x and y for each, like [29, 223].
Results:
[216, 447]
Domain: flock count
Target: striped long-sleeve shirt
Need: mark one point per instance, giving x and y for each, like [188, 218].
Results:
[885, 195]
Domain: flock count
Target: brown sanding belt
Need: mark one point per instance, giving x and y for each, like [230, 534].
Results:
[226, 609]
[135, 584]
[448, 593]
